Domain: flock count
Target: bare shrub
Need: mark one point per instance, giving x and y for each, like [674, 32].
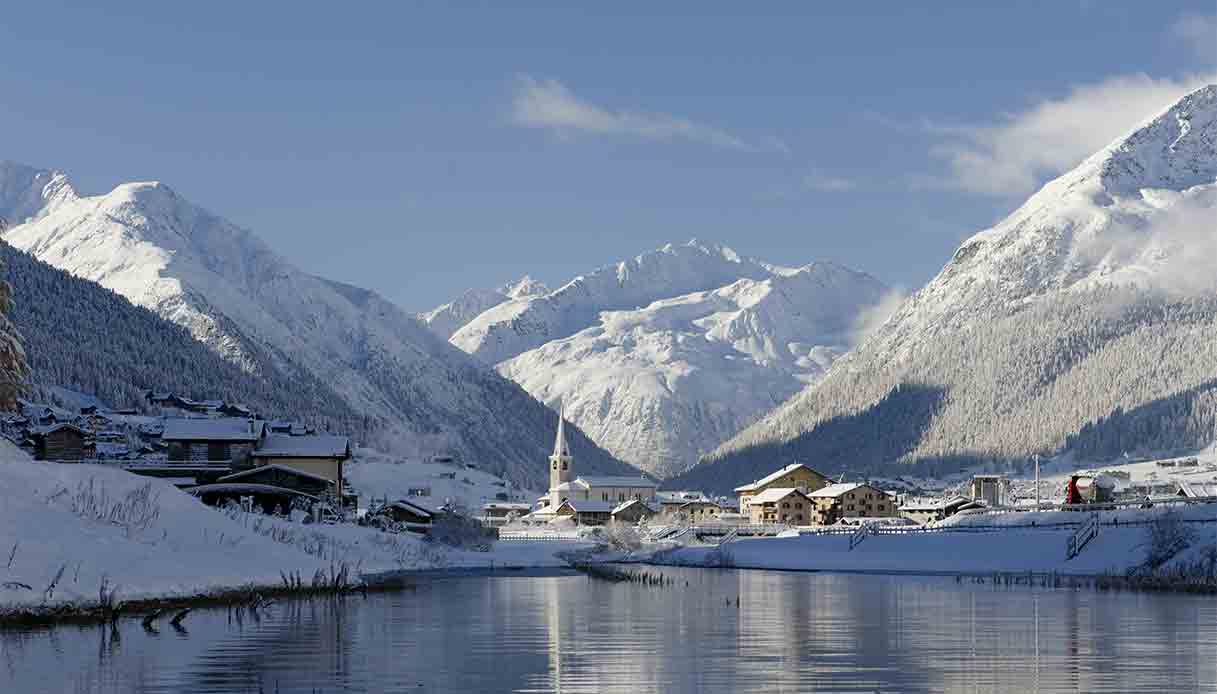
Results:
[134, 512]
[456, 530]
[621, 537]
[1166, 536]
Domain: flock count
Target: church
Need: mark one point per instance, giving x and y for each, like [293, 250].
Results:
[590, 499]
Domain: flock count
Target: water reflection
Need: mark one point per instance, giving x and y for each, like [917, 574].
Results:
[711, 631]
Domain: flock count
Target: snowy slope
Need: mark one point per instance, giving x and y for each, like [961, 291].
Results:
[514, 327]
[236, 295]
[452, 316]
[1084, 319]
[661, 385]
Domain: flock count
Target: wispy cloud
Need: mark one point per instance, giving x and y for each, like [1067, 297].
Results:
[824, 183]
[1199, 32]
[549, 104]
[1012, 157]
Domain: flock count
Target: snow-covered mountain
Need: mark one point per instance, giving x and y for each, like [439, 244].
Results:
[1083, 321]
[662, 357]
[447, 319]
[236, 295]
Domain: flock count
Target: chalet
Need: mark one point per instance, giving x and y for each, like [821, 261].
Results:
[59, 442]
[852, 500]
[415, 517]
[701, 510]
[928, 511]
[670, 502]
[234, 410]
[796, 476]
[786, 505]
[322, 456]
[586, 512]
[227, 440]
[634, 511]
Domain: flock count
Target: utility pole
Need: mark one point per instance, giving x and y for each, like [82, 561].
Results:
[1037, 481]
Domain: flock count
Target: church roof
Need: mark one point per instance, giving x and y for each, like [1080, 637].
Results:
[561, 448]
[638, 482]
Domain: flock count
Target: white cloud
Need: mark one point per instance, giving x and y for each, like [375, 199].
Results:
[824, 183]
[1199, 31]
[549, 104]
[1013, 157]
[873, 318]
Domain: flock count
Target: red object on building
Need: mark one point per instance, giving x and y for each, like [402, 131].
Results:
[1072, 495]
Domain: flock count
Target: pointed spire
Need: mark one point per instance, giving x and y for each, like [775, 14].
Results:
[561, 450]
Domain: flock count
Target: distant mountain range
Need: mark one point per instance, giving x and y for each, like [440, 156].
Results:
[661, 357]
[1085, 322]
[353, 353]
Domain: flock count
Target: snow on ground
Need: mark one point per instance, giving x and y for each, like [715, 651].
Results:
[63, 517]
[376, 475]
[1010, 544]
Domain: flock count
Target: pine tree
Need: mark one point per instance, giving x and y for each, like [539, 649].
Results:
[13, 370]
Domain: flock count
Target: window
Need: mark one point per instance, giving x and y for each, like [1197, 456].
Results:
[604, 496]
[555, 465]
[785, 504]
[798, 504]
[882, 507]
[564, 466]
[863, 514]
[620, 497]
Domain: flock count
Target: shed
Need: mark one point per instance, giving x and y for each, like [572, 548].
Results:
[60, 442]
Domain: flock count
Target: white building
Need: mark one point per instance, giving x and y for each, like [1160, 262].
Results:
[565, 486]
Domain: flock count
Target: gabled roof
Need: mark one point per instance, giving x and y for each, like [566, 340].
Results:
[52, 428]
[262, 469]
[626, 504]
[285, 446]
[217, 429]
[835, 490]
[1197, 489]
[412, 507]
[933, 504]
[639, 482]
[589, 506]
[772, 496]
[772, 477]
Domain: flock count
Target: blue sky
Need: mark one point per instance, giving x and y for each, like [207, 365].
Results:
[420, 149]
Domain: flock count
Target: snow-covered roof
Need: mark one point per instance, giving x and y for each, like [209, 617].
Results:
[219, 429]
[590, 506]
[770, 496]
[680, 497]
[933, 504]
[285, 446]
[412, 507]
[246, 488]
[616, 481]
[772, 477]
[508, 505]
[1197, 489]
[626, 504]
[261, 469]
[52, 428]
[835, 490]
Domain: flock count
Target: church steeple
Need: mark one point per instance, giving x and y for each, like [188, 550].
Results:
[561, 463]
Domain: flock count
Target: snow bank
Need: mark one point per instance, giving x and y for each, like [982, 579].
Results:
[1004, 546]
[85, 524]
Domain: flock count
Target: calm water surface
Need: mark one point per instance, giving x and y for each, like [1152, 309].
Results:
[790, 632]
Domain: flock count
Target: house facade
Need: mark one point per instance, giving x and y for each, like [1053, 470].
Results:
[58, 442]
[321, 456]
[224, 440]
[780, 505]
[795, 476]
[852, 500]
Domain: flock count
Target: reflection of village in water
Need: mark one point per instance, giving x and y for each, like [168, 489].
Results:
[725, 630]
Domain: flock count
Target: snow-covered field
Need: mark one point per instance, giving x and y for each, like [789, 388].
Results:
[376, 475]
[89, 524]
[987, 543]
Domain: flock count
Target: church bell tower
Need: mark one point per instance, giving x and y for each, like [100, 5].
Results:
[561, 463]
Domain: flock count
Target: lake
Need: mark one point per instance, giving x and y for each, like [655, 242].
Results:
[711, 631]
